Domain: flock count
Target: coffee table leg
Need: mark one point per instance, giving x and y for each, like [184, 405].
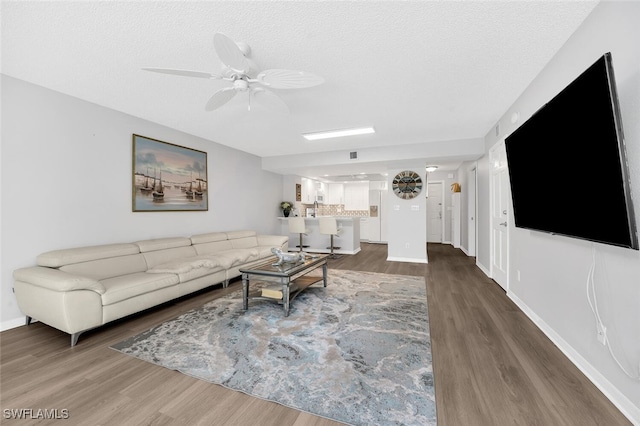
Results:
[245, 291]
[324, 274]
[285, 296]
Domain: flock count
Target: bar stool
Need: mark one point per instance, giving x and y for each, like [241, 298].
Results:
[329, 226]
[297, 226]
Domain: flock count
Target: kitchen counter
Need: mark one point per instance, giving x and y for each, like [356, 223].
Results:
[348, 240]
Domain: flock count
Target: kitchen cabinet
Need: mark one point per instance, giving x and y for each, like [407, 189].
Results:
[335, 193]
[356, 196]
[364, 229]
[311, 189]
[308, 191]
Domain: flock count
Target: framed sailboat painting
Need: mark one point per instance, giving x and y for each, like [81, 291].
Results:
[168, 177]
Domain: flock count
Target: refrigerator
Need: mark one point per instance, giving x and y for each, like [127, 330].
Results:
[377, 221]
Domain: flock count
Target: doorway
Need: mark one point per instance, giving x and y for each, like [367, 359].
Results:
[435, 212]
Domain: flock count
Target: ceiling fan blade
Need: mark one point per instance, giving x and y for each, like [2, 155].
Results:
[220, 98]
[288, 79]
[184, 73]
[269, 100]
[230, 54]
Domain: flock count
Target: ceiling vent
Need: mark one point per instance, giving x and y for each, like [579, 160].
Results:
[353, 155]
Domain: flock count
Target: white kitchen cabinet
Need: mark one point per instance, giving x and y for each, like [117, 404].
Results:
[321, 192]
[308, 190]
[335, 193]
[364, 229]
[356, 196]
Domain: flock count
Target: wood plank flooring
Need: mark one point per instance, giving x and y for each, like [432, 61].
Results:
[492, 366]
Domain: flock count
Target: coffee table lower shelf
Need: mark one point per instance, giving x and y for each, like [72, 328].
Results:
[295, 288]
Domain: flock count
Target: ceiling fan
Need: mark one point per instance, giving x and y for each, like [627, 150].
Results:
[243, 75]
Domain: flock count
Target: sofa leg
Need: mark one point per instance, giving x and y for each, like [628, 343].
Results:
[28, 320]
[74, 338]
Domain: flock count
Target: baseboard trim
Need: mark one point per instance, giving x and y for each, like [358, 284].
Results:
[14, 323]
[482, 268]
[626, 407]
[406, 259]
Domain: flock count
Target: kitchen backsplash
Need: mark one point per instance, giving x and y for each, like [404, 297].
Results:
[331, 210]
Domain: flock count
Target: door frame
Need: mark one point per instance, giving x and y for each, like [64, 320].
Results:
[442, 210]
[472, 174]
[498, 164]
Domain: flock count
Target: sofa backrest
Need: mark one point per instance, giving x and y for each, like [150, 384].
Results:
[218, 241]
[162, 250]
[108, 268]
[242, 239]
[58, 258]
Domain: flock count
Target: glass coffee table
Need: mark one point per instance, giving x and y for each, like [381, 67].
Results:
[292, 276]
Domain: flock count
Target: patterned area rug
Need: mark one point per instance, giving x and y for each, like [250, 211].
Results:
[357, 351]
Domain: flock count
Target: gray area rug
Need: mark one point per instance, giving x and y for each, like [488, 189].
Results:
[357, 351]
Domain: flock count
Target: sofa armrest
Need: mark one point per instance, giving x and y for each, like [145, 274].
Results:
[57, 280]
[273, 240]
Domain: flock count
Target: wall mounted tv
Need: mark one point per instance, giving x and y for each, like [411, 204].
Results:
[567, 164]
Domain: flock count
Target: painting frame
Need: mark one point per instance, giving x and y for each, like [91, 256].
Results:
[185, 185]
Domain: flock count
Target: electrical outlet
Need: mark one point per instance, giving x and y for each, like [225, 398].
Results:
[602, 334]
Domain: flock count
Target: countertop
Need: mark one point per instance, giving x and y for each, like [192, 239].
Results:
[337, 217]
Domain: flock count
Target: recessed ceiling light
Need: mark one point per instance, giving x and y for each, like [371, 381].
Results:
[338, 133]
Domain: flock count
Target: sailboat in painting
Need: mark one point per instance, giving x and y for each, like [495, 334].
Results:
[146, 188]
[198, 191]
[158, 192]
[189, 192]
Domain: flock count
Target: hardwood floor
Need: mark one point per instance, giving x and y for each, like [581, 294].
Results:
[492, 366]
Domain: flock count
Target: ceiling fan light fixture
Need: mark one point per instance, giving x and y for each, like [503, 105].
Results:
[313, 136]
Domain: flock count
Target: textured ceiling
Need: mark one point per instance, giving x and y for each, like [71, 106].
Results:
[420, 72]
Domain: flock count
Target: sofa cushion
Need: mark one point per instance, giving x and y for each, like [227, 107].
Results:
[58, 258]
[128, 286]
[180, 266]
[235, 257]
[265, 251]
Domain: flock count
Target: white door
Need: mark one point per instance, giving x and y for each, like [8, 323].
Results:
[434, 212]
[499, 215]
[471, 211]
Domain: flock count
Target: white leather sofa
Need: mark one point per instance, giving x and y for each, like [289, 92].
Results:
[78, 289]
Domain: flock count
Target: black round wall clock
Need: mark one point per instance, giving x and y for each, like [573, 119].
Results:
[406, 185]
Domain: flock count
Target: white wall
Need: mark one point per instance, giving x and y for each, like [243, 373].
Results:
[66, 182]
[407, 228]
[554, 269]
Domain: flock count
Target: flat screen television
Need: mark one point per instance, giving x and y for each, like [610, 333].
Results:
[567, 164]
